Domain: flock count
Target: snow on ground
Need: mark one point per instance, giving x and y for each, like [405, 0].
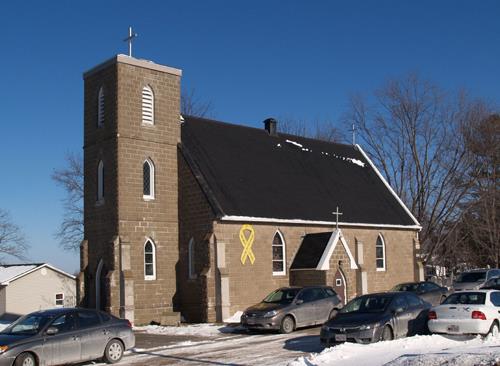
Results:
[431, 350]
[229, 345]
[236, 318]
[200, 330]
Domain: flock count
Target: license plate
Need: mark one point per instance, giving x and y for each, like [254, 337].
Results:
[340, 337]
[453, 328]
[251, 321]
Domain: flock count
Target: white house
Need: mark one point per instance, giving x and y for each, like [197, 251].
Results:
[25, 288]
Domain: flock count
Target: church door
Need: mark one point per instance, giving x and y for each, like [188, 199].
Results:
[340, 285]
[99, 287]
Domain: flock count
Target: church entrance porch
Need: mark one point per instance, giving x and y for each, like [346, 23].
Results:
[340, 285]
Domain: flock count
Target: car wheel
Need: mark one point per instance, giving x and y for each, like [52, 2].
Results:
[387, 334]
[113, 351]
[287, 325]
[333, 314]
[494, 330]
[25, 359]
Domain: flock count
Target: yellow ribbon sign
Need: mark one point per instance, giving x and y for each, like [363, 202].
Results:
[247, 243]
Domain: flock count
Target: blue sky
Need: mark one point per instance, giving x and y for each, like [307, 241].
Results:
[251, 60]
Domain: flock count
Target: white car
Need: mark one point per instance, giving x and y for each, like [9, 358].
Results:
[467, 312]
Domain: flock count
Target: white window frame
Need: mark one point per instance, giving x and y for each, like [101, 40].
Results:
[153, 246]
[55, 297]
[191, 264]
[100, 181]
[383, 268]
[283, 272]
[151, 195]
[148, 108]
[100, 107]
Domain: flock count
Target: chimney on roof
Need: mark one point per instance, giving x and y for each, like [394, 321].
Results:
[270, 125]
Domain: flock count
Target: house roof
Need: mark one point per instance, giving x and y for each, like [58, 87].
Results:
[12, 272]
[248, 174]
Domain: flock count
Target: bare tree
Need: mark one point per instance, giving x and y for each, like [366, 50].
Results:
[482, 219]
[192, 105]
[413, 133]
[325, 130]
[70, 177]
[12, 241]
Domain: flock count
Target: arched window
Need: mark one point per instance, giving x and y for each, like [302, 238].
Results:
[279, 259]
[148, 180]
[100, 181]
[380, 253]
[100, 107]
[191, 262]
[148, 106]
[149, 260]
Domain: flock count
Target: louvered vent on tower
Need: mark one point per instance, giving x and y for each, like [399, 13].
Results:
[147, 105]
[100, 107]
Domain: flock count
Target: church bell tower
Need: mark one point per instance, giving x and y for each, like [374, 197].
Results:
[130, 247]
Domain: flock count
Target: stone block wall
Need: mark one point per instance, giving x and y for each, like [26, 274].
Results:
[249, 284]
[196, 300]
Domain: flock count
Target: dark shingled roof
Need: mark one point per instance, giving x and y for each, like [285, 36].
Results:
[251, 173]
[311, 250]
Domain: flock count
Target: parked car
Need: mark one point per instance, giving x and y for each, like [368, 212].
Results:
[474, 279]
[428, 291]
[65, 335]
[491, 284]
[288, 308]
[374, 317]
[467, 312]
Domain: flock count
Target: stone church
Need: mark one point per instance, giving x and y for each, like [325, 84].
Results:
[197, 219]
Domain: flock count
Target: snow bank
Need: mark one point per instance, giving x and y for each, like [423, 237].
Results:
[430, 350]
[236, 318]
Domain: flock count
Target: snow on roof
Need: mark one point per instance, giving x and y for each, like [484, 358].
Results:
[8, 272]
[11, 272]
[244, 172]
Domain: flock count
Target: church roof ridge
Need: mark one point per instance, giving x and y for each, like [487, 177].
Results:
[279, 134]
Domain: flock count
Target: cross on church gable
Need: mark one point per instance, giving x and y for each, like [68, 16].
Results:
[337, 214]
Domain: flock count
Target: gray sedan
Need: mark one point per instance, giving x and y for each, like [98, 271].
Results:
[291, 307]
[428, 291]
[374, 317]
[65, 335]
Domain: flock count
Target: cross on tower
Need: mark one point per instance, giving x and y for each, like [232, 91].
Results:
[337, 214]
[129, 39]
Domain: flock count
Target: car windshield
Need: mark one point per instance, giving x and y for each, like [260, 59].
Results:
[282, 296]
[411, 287]
[27, 325]
[471, 277]
[466, 298]
[367, 304]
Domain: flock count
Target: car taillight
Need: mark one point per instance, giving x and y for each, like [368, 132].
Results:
[432, 315]
[478, 315]
[129, 324]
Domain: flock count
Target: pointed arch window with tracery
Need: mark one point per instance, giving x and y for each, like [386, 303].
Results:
[279, 258]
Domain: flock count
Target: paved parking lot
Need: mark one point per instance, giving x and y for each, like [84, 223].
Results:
[224, 349]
